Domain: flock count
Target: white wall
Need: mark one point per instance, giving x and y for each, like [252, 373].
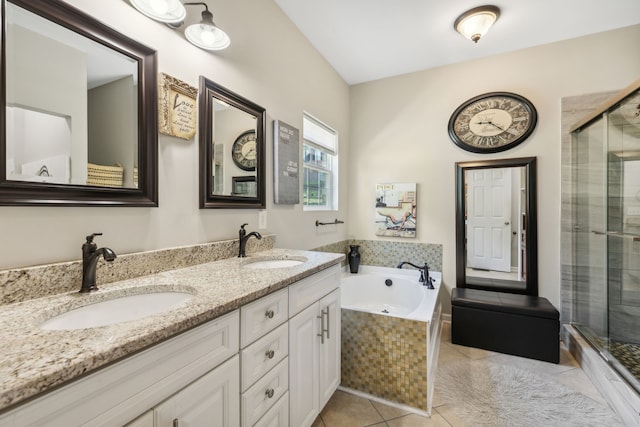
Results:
[41, 66]
[399, 133]
[268, 62]
[113, 124]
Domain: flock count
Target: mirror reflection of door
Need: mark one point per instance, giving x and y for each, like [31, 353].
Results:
[494, 227]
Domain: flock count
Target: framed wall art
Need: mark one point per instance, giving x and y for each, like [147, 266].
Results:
[177, 107]
[396, 210]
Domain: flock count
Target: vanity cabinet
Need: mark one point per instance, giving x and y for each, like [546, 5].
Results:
[274, 362]
[121, 392]
[314, 344]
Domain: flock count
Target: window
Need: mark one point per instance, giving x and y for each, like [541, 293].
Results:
[319, 165]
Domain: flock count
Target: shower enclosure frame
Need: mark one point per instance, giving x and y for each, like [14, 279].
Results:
[605, 230]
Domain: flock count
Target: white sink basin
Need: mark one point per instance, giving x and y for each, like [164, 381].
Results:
[117, 310]
[273, 263]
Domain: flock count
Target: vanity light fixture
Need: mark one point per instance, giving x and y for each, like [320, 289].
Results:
[474, 23]
[205, 34]
[166, 11]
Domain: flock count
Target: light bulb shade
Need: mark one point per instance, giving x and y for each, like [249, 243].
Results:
[166, 11]
[206, 35]
[475, 23]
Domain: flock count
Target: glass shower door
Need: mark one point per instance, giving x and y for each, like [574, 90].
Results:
[623, 217]
[606, 238]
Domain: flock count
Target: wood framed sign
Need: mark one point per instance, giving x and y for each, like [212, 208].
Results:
[177, 107]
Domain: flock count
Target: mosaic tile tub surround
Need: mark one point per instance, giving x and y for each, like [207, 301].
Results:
[386, 357]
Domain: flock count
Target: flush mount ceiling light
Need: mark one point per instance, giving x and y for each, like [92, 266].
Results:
[474, 23]
[205, 34]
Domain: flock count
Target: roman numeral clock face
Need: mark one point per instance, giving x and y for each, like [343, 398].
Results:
[492, 122]
[243, 151]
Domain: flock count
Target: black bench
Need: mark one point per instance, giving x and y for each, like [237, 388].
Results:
[520, 325]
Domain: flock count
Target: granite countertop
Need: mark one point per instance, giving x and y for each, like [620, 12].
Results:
[33, 360]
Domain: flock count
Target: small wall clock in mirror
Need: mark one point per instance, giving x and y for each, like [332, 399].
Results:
[492, 122]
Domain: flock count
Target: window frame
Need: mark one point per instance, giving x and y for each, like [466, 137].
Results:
[332, 151]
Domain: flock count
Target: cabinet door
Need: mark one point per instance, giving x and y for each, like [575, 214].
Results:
[304, 401]
[144, 420]
[330, 349]
[212, 400]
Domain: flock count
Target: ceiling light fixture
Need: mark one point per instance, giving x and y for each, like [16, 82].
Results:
[474, 23]
[205, 34]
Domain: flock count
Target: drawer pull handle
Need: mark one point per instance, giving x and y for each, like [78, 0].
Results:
[176, 423]
[269, 393]
[269, 314]
[270, 354]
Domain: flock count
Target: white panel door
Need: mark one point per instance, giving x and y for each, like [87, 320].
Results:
[304, 388]
[489, 219]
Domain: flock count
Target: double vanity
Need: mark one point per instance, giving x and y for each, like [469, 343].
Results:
[239, 341]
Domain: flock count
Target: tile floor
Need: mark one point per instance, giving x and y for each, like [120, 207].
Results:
[347, 410]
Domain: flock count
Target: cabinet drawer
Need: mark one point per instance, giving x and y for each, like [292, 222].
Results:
[262, 316]
[278, 415]
[265, 393]
[309, 290]
[258, 358]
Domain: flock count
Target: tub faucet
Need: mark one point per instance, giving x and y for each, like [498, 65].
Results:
[243, 237]
[424, 273]
[90, 255]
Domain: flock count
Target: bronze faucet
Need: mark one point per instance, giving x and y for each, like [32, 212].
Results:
[243, 237]
[90, 255]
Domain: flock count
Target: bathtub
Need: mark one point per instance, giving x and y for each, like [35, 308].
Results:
[405, 296]
[390, 336]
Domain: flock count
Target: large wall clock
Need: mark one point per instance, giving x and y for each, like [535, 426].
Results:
[492, 122]
[244, 152]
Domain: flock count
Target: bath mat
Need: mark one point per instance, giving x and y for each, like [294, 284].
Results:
[487, 394]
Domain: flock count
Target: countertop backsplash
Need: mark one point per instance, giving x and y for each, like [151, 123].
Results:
[22, 284]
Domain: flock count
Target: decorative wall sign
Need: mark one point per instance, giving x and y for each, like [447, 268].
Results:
[395, 212]
[176, 107]
[286, 155]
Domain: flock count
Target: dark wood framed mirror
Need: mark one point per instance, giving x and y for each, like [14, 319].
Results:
[496, 225]
[79, 99]
[232, 133]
